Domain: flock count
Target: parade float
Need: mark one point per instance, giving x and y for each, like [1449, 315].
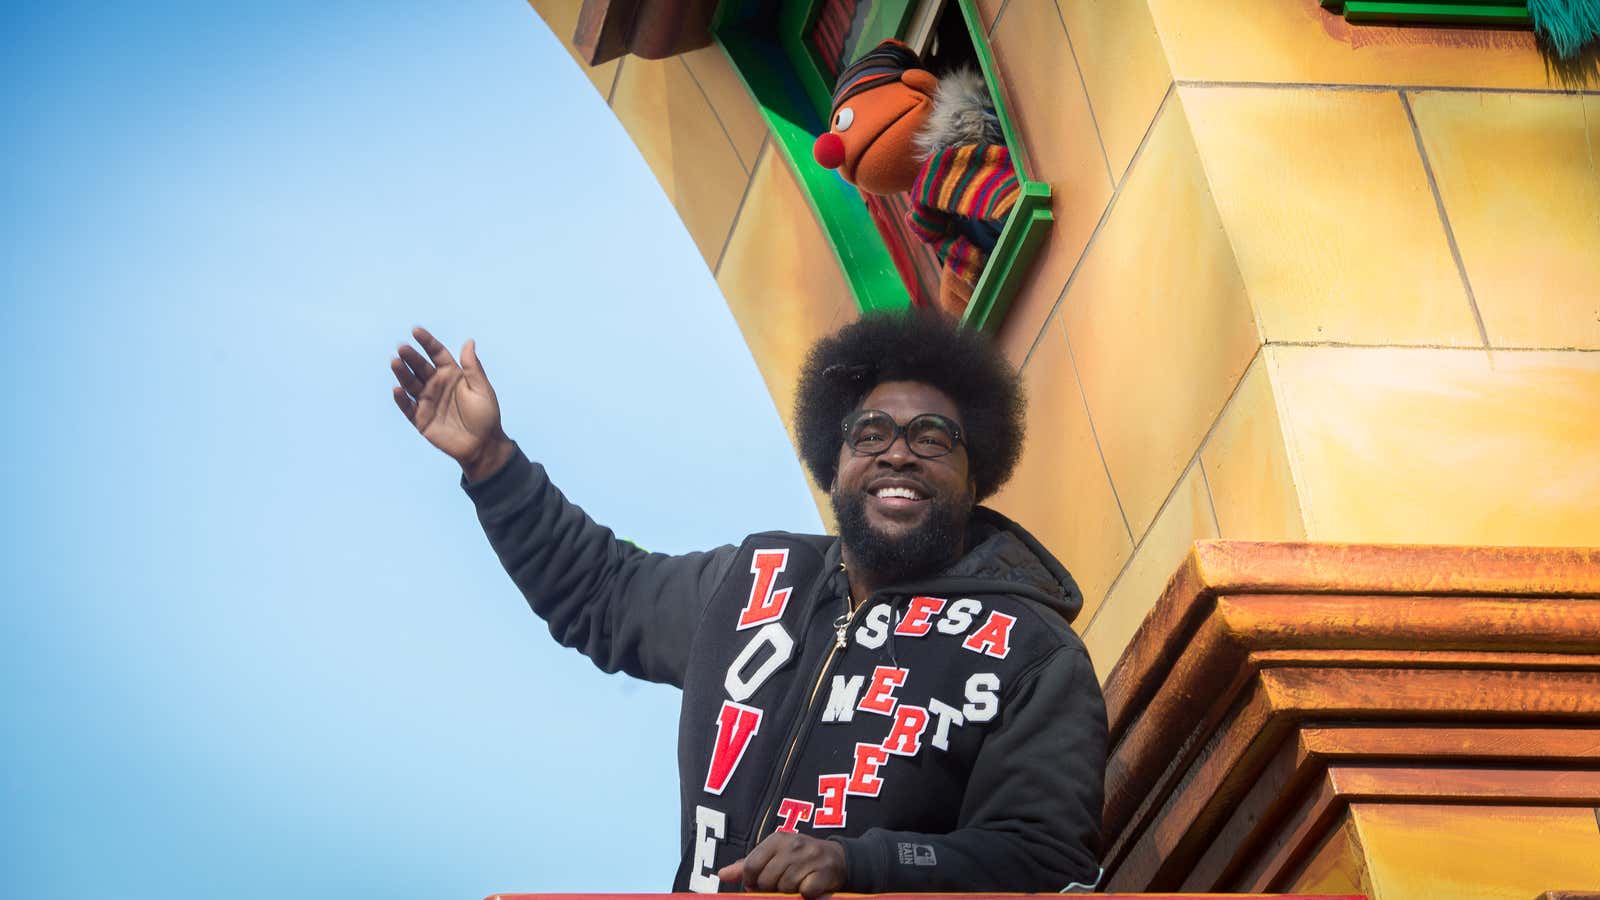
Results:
[1306, 296]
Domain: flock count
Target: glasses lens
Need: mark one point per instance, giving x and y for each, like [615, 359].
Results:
[931, 436]
[870, 432]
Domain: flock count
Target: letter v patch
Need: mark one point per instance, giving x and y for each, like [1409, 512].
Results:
[736, 725]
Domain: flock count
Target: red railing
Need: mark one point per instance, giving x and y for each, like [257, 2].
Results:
[940, 895]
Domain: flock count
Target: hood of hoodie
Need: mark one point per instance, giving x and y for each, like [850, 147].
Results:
[1002, 558]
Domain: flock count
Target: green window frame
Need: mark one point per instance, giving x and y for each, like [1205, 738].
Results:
[783, 74]
[1434, 12]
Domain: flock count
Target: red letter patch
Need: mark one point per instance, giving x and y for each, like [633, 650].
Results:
[905, 738]
[764, 604]
[919, 616]
[880, 692]
[994, 638]
[864, 780]
[793, 811]
[831, 813]
[736, 724]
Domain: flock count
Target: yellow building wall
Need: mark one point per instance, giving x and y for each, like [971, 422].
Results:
[1315, 282]
[1307, 280]
[706, 143]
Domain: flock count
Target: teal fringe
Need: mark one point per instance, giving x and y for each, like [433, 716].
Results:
[1566, 25]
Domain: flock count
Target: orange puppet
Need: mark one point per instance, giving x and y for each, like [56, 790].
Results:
[897, 128]
[879, 105]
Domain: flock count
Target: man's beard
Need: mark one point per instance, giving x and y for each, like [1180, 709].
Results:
[918, 553]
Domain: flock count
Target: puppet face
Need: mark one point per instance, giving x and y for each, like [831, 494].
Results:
[870, 138]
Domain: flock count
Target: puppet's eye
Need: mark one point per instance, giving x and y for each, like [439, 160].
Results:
[843, 118]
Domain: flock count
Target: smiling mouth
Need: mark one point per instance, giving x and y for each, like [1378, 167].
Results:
[898, 493]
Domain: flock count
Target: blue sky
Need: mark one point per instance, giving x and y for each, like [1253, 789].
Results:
[255, 644]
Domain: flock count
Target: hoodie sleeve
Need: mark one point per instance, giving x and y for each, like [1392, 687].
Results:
[1030, 818]
[625, 609]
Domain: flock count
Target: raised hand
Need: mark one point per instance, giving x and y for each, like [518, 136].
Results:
[451, 405]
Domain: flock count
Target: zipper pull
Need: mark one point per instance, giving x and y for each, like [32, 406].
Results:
[842, 623]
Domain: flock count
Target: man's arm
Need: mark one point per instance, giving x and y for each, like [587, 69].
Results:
[627, 610]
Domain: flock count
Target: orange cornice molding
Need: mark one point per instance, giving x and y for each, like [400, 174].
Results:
[1275, 683]
[652, 29]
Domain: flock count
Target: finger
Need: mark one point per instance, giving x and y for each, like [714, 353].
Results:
[815, 884]
[419, 367]
[407, 378]
[755, 862]
[405, 404]
[756, 871]
[473, 367]
[787, 880]
[733, 871]
[439, 353]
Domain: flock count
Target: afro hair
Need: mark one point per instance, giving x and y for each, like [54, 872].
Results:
[844, 367]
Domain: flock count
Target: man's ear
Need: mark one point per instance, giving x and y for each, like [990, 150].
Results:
[920, 80]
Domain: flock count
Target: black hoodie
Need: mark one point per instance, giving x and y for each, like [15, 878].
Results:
[950, 734]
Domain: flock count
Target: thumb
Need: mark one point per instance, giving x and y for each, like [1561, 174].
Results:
[733, 871]
[472, 367]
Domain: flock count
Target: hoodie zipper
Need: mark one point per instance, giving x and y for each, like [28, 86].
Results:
[841, 629]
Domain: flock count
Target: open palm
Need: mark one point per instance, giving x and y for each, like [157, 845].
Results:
[452, 405]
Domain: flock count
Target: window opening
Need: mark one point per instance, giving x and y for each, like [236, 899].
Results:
[835, 35]
[1565, 28]
[789, 55]
[1441, 12]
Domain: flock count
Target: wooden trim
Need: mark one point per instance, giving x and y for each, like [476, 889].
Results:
[1446, 659]
[1188, 792]
[1343, 785]
[1299, 764]
[603, 27]
[651, 29]
[1215, 568]
[666, 28]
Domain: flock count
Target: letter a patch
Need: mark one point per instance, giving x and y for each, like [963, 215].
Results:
[994, 638]
[736, 725]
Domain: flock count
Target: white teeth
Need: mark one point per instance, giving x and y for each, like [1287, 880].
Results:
[903, 493]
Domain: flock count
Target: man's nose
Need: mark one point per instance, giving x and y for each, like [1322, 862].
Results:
[898, 453]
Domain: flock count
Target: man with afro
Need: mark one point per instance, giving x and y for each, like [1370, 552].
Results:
[903, 707]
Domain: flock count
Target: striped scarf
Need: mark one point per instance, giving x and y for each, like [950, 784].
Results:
[968, 181]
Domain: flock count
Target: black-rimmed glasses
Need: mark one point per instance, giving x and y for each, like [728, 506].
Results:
[869, 432]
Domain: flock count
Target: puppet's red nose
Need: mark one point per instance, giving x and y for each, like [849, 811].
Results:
[829, 151]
